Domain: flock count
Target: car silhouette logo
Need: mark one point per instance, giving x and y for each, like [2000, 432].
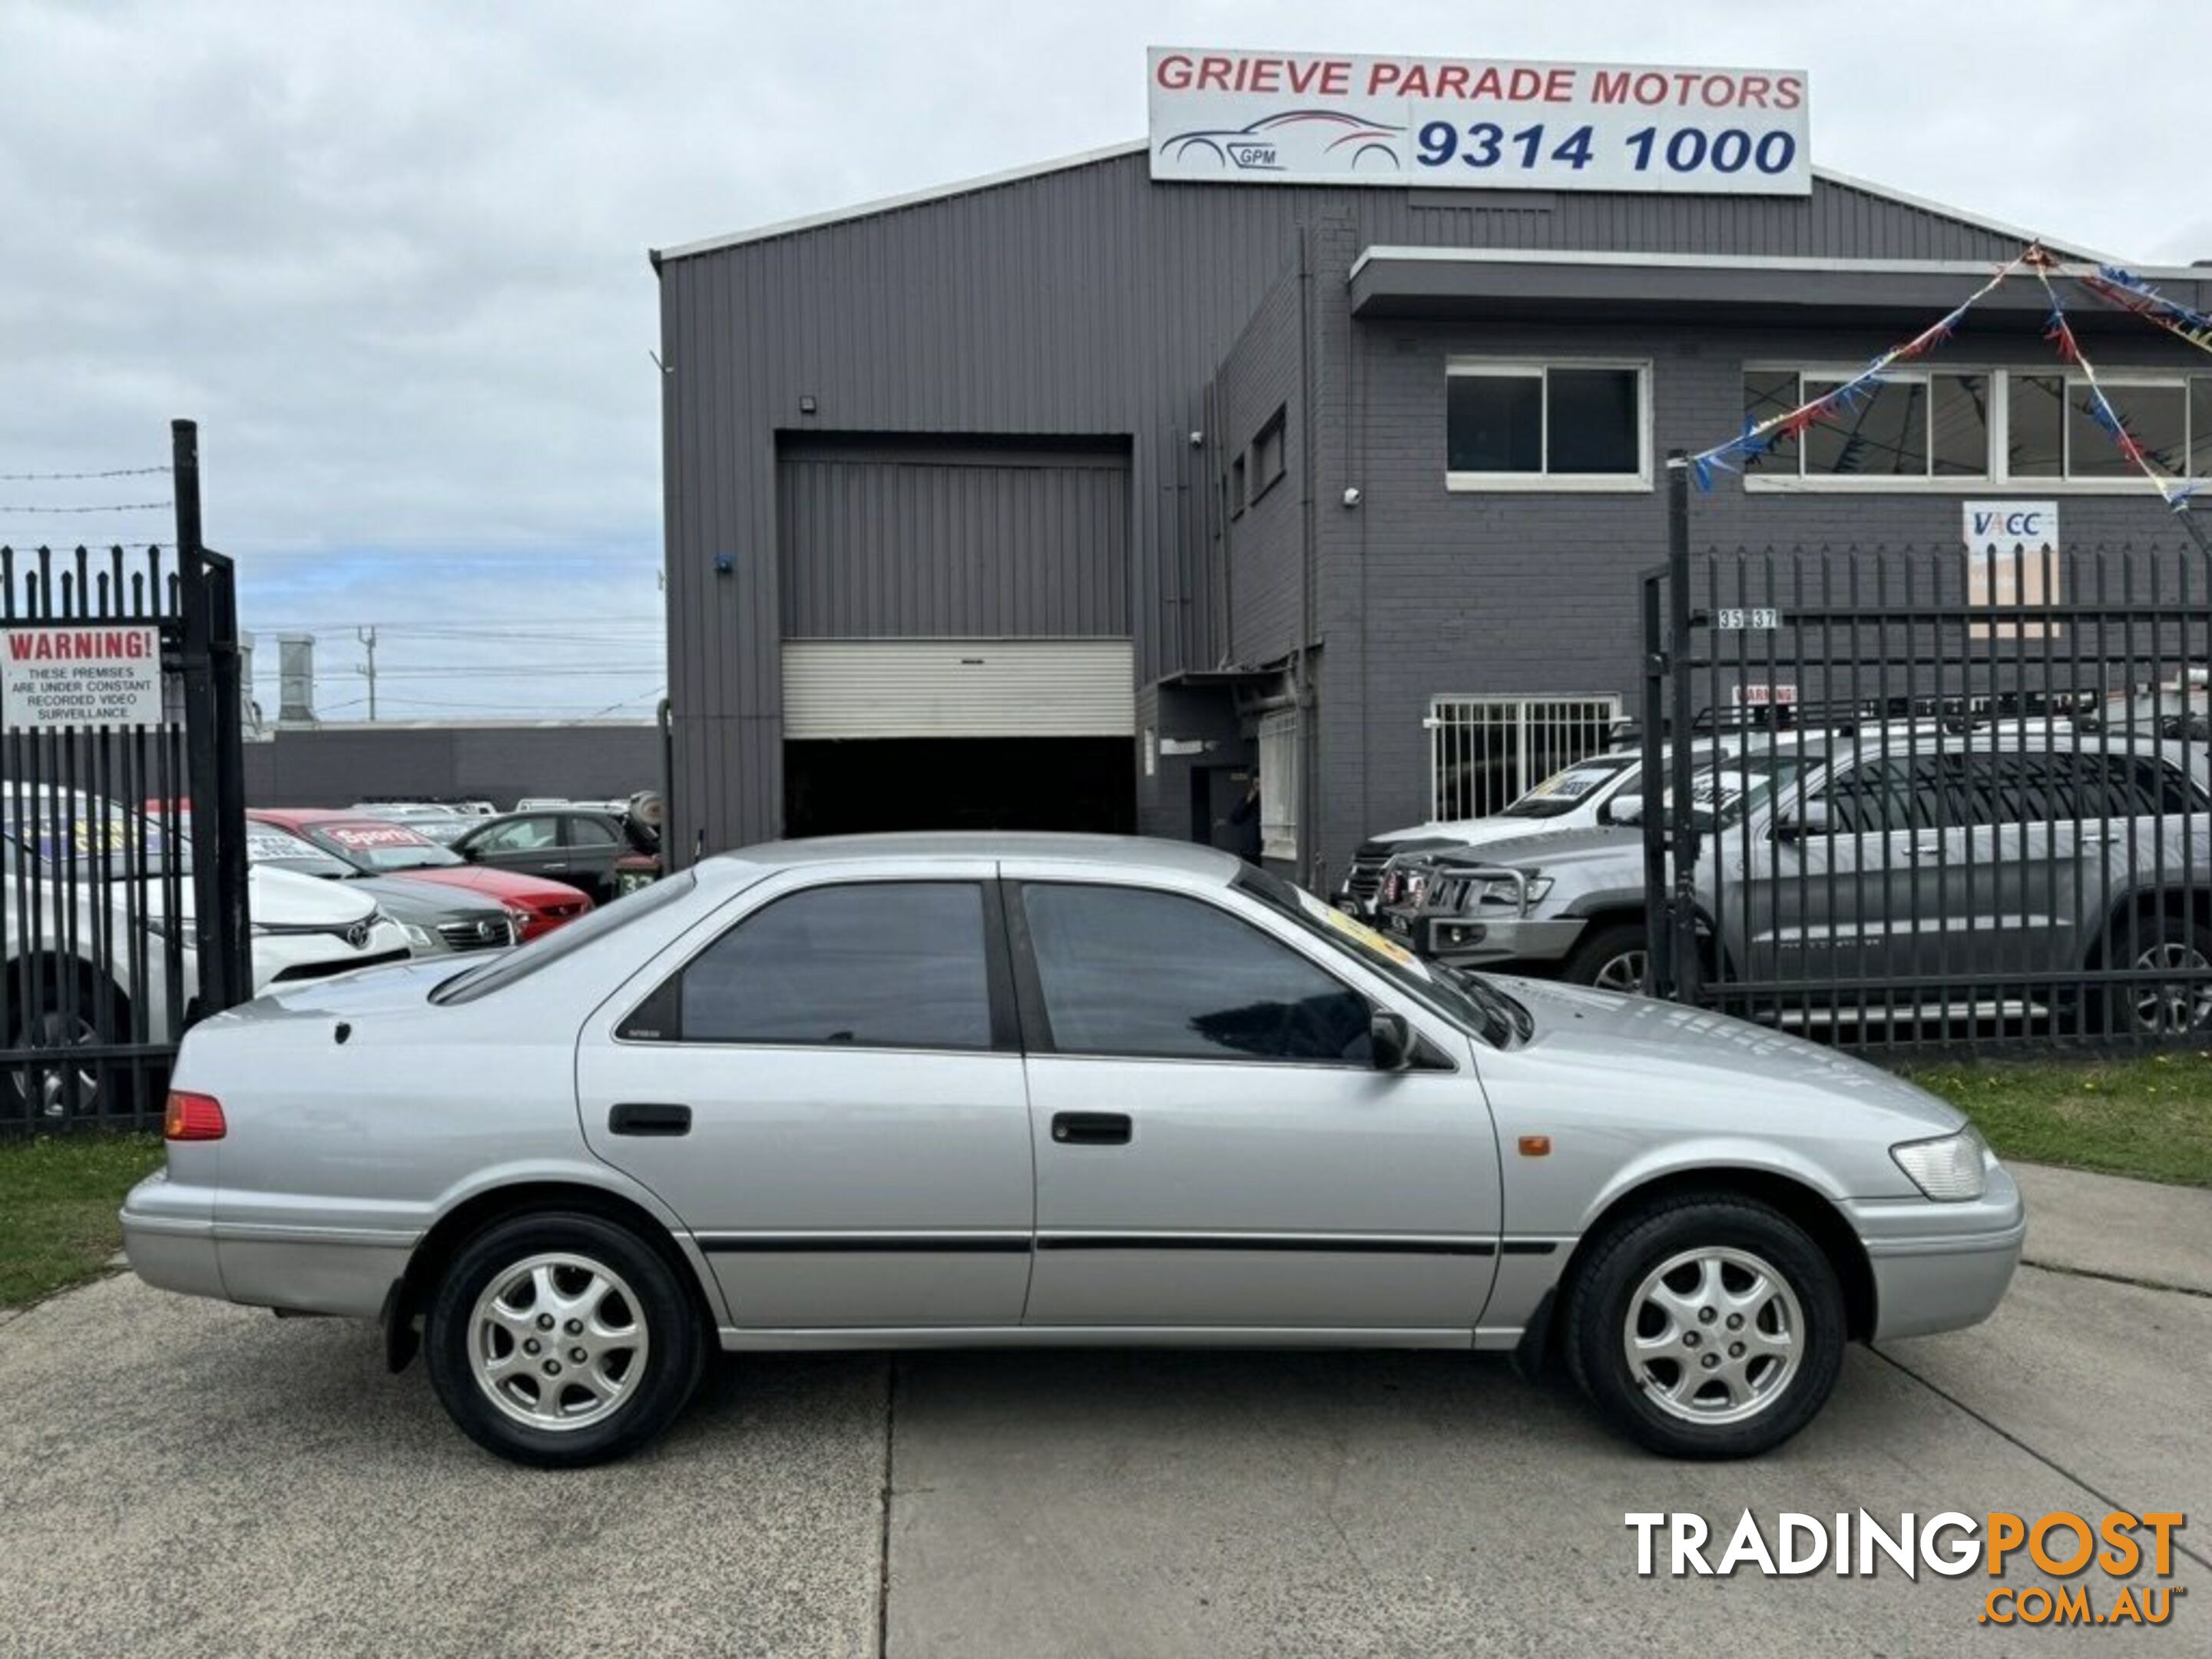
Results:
[1297, 140]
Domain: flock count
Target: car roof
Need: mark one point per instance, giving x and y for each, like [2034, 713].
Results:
[1120, 852]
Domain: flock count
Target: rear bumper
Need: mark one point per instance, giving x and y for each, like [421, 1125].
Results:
[1941, 1266]
[174, 1244]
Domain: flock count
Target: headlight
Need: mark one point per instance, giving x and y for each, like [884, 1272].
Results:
[1950, 1170]
[1502, 890]
[422, 939]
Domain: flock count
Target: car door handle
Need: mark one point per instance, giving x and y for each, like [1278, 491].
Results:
[632, 1117]
[1927, 849]
[562, 866]
[1091, 1128]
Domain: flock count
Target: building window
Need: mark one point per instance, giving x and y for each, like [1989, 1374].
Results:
[1268, 457]
[1279, 785]
[1236, 488]
[1980, 425]
[1551, 426]
[1486, 752]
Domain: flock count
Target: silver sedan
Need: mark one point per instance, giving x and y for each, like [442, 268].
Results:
[921, 1090]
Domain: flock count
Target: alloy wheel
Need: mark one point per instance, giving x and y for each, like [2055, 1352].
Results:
[47, 1086]
[1623, 973]
[1714, 1335]
[557, 1341]
[2175, 1005]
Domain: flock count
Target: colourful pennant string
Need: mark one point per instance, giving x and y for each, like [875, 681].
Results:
[1757, 439]
[2174, 491]
[2131, 294]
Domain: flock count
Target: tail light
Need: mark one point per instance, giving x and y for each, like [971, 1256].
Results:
[192, 1117]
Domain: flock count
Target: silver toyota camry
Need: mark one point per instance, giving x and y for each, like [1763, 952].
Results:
[945, 1089]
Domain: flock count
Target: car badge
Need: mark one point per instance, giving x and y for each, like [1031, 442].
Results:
[357, 935]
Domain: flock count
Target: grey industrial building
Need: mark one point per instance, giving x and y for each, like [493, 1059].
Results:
[1068, 497]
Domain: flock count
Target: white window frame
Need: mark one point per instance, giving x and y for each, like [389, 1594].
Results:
[1538, 368]
[1452, 740]
[1999, 475]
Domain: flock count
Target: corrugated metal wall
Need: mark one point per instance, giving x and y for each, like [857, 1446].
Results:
[957, 688]
[1083, 302]
[884, 542]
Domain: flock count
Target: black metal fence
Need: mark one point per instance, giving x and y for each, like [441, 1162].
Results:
[123, 885]
[1931, 796]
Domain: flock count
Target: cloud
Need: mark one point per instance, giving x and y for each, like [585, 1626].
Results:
[392, 258]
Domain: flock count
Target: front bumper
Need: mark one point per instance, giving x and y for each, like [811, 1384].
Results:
[1941, 1266]
[1478, 941]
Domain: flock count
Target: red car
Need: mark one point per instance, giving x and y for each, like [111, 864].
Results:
[384, 848]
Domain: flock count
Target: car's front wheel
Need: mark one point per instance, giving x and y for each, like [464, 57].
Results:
[1706, 1327]
[1611, 959]
[563, 1340]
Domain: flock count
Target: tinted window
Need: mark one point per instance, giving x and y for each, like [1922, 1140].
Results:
[590, 832]
[518, 835]
[874, 964]
[1125, 971]
[510, 967]
[1887, 795]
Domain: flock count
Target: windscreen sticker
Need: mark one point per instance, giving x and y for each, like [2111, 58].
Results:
[363, 836]
[1573, 783]
[1358, 931]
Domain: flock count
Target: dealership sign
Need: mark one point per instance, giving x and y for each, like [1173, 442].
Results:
[1241, 116]
[52, 676]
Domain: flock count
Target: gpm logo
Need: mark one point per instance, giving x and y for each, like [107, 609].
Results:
[2024, 525]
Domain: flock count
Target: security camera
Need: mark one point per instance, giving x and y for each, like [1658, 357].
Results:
[1351, 496]
[1197, 440]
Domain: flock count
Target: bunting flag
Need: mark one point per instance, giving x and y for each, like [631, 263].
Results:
[2174, 491]
[2131, 294]
[1757, 438]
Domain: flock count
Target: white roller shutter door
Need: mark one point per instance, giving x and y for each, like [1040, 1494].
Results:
[958, 688]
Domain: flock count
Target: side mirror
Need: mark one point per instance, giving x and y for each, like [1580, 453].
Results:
[1627, 809]
[1796, 820]
[1389, 1041]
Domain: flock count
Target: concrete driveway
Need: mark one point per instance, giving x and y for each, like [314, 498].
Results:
[179, 1478]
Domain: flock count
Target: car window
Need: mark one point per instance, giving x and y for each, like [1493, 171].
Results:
[266, 844]
[1881, 796]
[1131, 971]
[871, 965]
[518, 835]
[590, 832]
[385, 848]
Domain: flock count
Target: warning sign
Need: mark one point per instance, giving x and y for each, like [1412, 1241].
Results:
[92, 675]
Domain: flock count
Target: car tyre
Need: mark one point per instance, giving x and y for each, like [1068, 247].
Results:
[1706, 1327]
[620, 1344]
[49, 1089]
[1611, 959]
[2178, 1007]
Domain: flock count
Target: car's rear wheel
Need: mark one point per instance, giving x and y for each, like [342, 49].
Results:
[2181, 1006]
[1706, 1327]
[560, 1339]
[1611, 959]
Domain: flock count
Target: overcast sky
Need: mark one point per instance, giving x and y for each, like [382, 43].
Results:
[393, 257]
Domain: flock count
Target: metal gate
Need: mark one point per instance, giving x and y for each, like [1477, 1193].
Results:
[121, 924]
[1931, 796]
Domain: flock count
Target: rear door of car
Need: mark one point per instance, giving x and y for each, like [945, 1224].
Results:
[828, 1088]
[1213, 1148]
[592, 844]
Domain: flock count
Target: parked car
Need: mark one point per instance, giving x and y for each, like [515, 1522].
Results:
[1577, 796]
[605, 853]
[384, 846]
[915, 1091]
[425, 809]
[438, 920]
[2004, 858]
[87, 902]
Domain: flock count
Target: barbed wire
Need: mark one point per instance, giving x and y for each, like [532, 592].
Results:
[110, 507]
[79, 477]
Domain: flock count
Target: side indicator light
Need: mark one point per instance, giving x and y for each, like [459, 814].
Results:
[1535, 1146]
[192, 1117]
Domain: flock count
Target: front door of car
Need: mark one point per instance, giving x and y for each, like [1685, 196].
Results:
[526, 846]
[1214, 1147]
[827, 1090]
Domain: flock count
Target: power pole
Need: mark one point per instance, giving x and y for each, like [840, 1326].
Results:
[367, 638]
